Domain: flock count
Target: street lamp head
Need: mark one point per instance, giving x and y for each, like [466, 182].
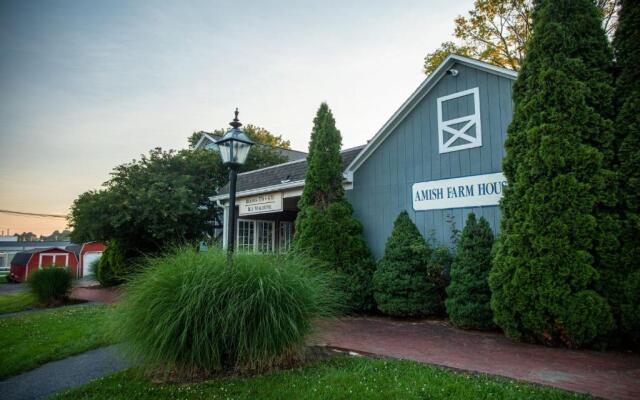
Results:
[234, 145]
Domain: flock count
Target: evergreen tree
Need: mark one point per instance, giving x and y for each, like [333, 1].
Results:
[556, 225]
[627, 53]
[325, 226]
[468, 295]
[402, 284]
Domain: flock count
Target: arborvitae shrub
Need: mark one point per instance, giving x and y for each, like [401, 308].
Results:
[325, 226]
[402, 281]
[112, 268]
[51, 285]
[545, 273]
[468, 296]
[627, 274]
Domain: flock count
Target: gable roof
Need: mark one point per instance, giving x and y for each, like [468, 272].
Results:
[417, 96]
[22, 257]
[209, 138]
[281, 176]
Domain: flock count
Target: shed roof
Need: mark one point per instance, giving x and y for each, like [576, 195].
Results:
[75, 249]
[289, 173]
[22, 257]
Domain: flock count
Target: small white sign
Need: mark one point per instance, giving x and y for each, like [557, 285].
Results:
[453, 133]
[261, 204]
[468, 191]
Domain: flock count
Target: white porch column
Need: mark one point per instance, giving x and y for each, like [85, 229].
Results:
[225, 226]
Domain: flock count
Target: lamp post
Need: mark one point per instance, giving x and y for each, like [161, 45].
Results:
[234, 148]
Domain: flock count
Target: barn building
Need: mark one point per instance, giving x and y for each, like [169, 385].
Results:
[438, 157]
[87, 254]
[28, 261]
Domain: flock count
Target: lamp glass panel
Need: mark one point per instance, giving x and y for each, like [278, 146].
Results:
[241, 151]
[225, 151]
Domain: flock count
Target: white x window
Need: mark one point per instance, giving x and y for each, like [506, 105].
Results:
[455, 133]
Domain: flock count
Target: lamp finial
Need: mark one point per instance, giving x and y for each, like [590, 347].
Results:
[236, 122]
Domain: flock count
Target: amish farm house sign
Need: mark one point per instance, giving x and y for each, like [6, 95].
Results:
[468, 191]
[261, 204]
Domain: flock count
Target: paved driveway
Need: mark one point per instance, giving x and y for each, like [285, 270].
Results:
[612, 375]
[6, 288]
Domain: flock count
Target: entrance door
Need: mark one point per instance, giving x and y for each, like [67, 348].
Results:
[88, 262]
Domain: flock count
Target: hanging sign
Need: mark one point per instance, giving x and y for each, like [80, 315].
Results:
[260, 204]
[468, 191]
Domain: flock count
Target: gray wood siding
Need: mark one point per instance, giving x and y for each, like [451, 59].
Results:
[382, 184]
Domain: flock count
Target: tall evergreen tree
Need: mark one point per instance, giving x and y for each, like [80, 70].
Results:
[468, 295]
[627, 53]
[402, 284]
[325, 226]
[557, 225]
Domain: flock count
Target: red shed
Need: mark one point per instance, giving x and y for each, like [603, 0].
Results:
[88, 253]
[25, 262]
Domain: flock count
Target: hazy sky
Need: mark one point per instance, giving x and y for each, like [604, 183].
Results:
[86, 85]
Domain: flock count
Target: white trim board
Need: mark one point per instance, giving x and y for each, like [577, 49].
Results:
[417, 96]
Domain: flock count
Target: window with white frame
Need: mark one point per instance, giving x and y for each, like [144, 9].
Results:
[286, 236]
[246, 235]
[255, 235]
[264, 236]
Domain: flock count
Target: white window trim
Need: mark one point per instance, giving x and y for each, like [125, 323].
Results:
[255, 232]
[54, 255]
[471, 121]
[280, 243]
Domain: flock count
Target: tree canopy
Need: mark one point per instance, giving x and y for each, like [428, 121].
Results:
[496, 31]
[162, 198]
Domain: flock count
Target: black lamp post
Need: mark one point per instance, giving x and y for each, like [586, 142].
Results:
[234, 148]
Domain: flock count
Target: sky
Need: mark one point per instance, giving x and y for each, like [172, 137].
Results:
[87, 85]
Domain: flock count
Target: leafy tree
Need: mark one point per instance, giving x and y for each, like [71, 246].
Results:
[401, 282]
[325, 226]
[113, 266]
[263, 154]
[627, 275]
[469, 296]
[546, 266]
[497, 31]
[158, 200]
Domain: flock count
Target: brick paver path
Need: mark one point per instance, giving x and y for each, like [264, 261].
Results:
[611, 375]
[98, 294]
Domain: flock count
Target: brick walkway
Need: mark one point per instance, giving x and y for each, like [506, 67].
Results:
[610, 375]
[101, 295]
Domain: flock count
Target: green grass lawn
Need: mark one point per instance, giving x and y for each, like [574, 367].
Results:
[32, 339]
[339, 378]
[18, 301]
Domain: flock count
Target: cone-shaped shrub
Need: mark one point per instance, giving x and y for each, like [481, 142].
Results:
[325, 226]
[190, 313]
[627, 275]
[402, 285]
[468, 296]
[545, 274]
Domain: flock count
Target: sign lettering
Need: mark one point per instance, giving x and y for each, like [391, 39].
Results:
[468, 191]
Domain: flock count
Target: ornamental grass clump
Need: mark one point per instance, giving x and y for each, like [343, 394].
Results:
[51, 285]
[189, 314]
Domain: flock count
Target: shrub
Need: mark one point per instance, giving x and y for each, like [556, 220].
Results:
[630, 310]
[558, 233]
[403, 286]
[112, 267]
[51, 285]
[325, 226]
[189, 313]
[468, 296]
[438, 272]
